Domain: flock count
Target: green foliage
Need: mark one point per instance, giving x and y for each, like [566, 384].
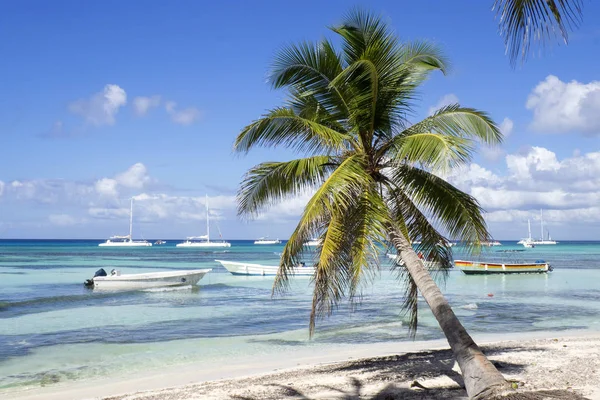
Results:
[369, 167]
[524, 22]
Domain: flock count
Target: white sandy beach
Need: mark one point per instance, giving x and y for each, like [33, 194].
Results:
[559, 361]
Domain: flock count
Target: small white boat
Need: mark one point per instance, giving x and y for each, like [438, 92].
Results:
[116, 281]
[159, 242]
[266, 240]
[242, 268]
[491, 243]
[126, 241]
[204, 240]
[313, 242]
[529, 245]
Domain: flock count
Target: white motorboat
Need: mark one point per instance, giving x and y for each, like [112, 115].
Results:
[204, 240]
[126, 241]
[149, 280]
[266, 240]
[243, 268]
[313, 242]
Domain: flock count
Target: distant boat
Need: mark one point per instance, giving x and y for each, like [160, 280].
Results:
[313, 242]
[116, 281]
[542, 240]
[242, 268]
[126, 241]
[266, 240]
[528, 241]
[204, 240]
[491, 243]
[474, 267]
[159, 242]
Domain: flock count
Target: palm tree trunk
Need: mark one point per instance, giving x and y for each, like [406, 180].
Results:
[482, 379]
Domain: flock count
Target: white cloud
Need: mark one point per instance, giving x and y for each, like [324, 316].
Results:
[535, 179]
[63, 220]
[102, 107]
[135, 177]
[141, 104]
[506, 126]
[1, 188]
[560, 107]
[444, 101]
[183, 117]
[106, 187]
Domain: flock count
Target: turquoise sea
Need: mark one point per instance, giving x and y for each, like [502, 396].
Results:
[54, 331]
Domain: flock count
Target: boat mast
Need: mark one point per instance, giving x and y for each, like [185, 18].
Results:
[131, 219]
[207, 223]
[542, 223]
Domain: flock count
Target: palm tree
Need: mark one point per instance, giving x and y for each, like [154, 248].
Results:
[524, 22]
[373, 173]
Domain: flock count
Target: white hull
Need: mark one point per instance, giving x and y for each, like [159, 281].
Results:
[150, 280]
[536, 242]
[203, 244]
[241, 268]
[267, 241]
[313, 243]
[125, 244]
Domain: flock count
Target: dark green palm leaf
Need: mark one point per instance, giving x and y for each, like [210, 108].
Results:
[525, 22]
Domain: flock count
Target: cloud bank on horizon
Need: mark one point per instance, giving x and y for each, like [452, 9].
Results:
[532, 178]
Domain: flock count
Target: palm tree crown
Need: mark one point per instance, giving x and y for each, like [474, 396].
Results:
[371, 169]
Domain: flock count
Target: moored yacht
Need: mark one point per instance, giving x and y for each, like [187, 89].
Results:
[266, 240]
[204, 240]
[126, 241]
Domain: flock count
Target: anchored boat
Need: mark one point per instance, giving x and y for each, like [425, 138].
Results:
[242, 268]
[116, 281]
[476, 267]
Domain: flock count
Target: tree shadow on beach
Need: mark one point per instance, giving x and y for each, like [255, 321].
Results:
[423, 370]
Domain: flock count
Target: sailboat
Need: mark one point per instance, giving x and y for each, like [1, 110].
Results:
[542, 240]
[204, 240]
[126, 241]
[528, 241]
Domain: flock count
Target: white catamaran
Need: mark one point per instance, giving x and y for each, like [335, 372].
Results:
[204, 240]
[126, 241]
[530, 242]
[542, 240]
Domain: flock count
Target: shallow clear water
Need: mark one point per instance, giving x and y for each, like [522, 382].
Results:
[53, 330]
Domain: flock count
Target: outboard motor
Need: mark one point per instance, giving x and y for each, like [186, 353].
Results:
[90, 282]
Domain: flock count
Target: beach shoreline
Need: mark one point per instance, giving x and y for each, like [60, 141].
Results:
[540, 360]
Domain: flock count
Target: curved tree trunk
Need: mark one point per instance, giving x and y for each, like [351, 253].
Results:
[482, 379]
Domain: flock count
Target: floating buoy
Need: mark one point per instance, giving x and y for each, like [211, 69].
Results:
[490, 294]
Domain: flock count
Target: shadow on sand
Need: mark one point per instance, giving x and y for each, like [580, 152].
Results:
[396, 377]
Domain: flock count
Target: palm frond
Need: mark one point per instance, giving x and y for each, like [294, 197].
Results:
[270, 182]
[310, 68]
[336, 193]
[283, 127]
[444, 140]
[456, 212]
[525, 22]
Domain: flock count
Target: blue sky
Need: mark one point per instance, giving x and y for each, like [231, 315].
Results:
[101, 101]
